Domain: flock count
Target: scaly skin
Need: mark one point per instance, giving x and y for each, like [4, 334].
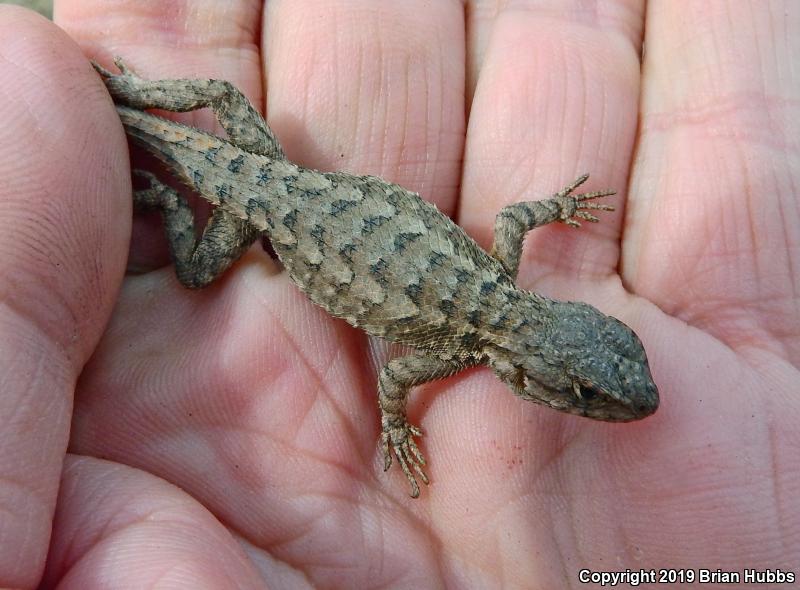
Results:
[386, 261]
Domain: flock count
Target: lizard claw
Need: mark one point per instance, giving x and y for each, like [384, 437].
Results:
[126, 87]
[586, 216]
[577, 205]
[104, 73]
[398, 439]
[121, 65]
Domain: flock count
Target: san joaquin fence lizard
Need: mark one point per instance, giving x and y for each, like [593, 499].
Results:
[386, 261]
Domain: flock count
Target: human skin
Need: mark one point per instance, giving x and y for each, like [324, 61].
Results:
[228, 436]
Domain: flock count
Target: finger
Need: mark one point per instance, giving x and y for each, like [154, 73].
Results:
[108, 518]
[213, 39]
[714, 194]
[376, 98]
[207, 39]
[64, 228]
[382, 92]
[195, 370]
[556, 95]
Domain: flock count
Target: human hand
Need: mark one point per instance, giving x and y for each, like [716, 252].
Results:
[262, 409]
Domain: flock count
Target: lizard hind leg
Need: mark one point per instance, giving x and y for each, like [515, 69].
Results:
[226, 237]
[197, 262]
[244, 125]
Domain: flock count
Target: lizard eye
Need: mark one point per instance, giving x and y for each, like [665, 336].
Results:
[585, 392]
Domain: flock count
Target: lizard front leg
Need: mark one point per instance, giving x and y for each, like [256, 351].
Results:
[395, 382]
[514, 221]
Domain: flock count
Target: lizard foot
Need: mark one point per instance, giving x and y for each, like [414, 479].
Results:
[398, 437]
[577, 205]
[123, 68]
[155, 195]
[126, 86]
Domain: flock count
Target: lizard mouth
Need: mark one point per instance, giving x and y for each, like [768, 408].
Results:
[610, 409]
[588, 401]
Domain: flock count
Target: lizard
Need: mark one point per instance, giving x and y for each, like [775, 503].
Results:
[384, 260]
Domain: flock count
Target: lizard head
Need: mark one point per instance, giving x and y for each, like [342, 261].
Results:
[577, 360]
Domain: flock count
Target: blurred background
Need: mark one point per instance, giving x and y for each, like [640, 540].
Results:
[44, 7]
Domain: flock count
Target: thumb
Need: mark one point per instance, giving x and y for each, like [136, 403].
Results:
[64, 225]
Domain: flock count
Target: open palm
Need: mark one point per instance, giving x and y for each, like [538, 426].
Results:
[230, 435]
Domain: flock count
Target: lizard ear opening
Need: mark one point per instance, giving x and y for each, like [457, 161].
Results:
[519, 379]
[510, 374]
